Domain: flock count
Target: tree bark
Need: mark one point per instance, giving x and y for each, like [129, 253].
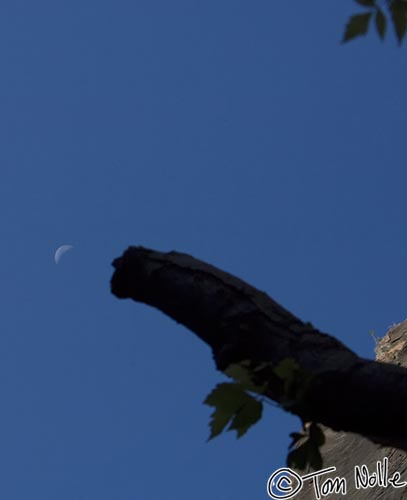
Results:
[239, 322]
[348, 452]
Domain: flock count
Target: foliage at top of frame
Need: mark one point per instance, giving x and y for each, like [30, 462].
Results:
[393, 12]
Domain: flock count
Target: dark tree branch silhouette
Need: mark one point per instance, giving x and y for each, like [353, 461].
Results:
[239, 322]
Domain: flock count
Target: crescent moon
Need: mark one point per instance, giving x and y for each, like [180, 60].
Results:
[60, 252]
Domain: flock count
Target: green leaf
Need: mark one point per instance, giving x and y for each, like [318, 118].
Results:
[305, 446]
[241, 373]
[380, 23]
[357, 26]
[398, 10]
[232, 404]
[227, 399]
[287, 368]
[247, 416]
[296, 382]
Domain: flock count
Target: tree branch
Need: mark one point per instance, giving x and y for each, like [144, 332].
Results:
[239, 322]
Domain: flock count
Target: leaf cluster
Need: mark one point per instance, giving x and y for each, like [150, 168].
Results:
[233, 404]
[295, 382]
[393, 12]
[238, 405]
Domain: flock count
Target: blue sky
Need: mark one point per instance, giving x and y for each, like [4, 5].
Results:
[243, 133]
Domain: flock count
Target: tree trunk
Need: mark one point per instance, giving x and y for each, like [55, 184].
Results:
[348, 453]
[239, 322]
